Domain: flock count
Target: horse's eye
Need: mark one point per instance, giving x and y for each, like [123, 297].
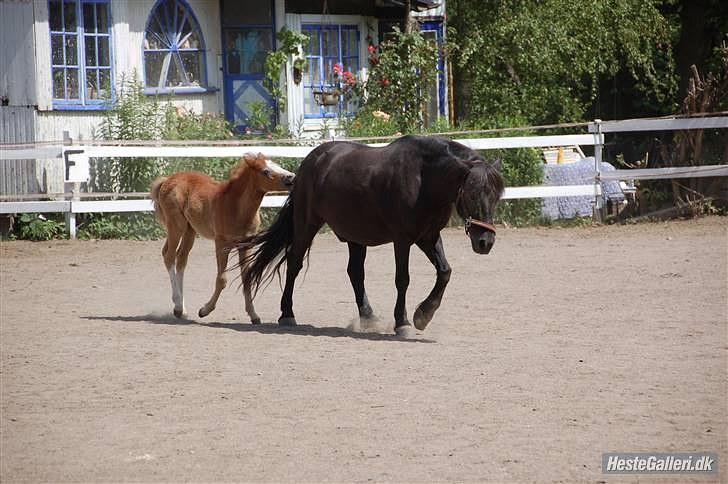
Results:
[266, 173]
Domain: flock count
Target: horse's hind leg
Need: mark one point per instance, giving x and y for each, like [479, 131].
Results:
[427, 308]
[221, 253]
[355, 269]
[254, 318]
[183, 252]
[169, 254]
[294, 263]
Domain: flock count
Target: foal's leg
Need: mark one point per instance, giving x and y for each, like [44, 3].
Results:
[254, 318]
[221, 253]
[401, 279]
[183, 252]
[169, 254]
[294, 263]
[427, 308]
[355, 269]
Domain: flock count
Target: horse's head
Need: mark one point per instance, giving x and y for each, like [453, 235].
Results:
[270, 177]
[479, 195]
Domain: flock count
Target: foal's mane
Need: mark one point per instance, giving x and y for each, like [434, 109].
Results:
[244, 165]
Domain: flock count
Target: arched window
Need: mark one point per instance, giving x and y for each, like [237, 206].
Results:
[174, 50]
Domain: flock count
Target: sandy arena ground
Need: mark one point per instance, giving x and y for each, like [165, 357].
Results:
[558, 346]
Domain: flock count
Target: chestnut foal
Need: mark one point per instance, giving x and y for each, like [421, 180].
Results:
[190, 203]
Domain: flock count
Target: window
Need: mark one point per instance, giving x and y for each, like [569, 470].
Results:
[328, 45]
[80, 53]
[174, 50]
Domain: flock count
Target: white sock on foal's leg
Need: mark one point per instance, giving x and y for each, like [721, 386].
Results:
[179, 310]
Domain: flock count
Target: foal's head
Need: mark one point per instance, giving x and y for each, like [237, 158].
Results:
[268, 176]
[480, 193]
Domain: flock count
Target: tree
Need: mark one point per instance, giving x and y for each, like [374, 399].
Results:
[533, 62]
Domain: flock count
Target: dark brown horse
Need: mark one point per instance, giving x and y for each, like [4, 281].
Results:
[402, 193]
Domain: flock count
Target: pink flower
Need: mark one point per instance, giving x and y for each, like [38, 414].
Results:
[338, 69]
[371, 48]
[349, 78]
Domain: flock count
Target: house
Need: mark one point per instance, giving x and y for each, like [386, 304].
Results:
[61, 59]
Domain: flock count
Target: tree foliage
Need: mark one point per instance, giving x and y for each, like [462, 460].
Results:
[542, 61]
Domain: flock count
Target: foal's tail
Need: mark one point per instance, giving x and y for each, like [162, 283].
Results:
[267, 251]
[154, 192]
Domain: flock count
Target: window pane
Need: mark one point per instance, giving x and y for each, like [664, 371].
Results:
[330, 42]
[57, 49]
[90, 50]
[313, 44]
[175, 78]
[89, 19]
[72, 84]
[191, 62]
[309, 103]
[58, 84]
[104, 59]
[152, 41]
[69, 16]
[248, 12]
[55, 16]
[92, 84]
[102, 17]
[153, 62]
[71, 50]
[105, 75]
[189, 40]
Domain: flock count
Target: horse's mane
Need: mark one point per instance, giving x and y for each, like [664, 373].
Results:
[239, 169]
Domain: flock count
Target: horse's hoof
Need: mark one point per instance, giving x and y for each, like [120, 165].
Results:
[179, 313]
[406, 331]
[203, 312]
[255, 321]
[421, 319]
[287, 321]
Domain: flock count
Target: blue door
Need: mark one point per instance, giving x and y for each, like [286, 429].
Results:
[248, 35]
[437, 106]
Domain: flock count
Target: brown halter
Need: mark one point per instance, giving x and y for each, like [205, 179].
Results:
[471, 221]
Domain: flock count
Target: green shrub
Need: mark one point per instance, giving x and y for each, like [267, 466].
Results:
[135, 226]
[35, 226]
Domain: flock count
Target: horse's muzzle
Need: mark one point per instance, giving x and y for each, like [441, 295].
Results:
[481, 240]
[289, 180]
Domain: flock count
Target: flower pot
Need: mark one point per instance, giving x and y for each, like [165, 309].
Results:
[327, 98]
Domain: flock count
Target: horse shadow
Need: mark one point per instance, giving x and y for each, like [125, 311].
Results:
[265, 328]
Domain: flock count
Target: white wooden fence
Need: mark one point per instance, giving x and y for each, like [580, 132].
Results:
[77, 164]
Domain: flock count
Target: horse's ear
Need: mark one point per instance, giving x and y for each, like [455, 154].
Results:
[257, 162]
[497, 164]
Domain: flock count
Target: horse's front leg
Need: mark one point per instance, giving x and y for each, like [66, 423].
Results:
[434, 251]
[402, 326]
[221, 253]
[355, 269]
[254, 318]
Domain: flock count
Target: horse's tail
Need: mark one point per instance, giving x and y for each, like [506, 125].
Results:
[267, 250]
[154, 192]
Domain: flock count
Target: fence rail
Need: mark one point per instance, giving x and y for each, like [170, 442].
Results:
[77, 163]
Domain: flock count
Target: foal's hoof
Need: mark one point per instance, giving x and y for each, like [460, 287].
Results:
[422, 319]
[288, 321]
[203, 311]
[179, 313]
[406, 331]
[255, 321]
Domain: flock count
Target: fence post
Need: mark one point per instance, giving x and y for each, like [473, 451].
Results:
[598, 146]
[75, 188]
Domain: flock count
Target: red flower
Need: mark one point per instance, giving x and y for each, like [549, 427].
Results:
[337, 69]
[349, 78]
[384, 82]
[371, 48]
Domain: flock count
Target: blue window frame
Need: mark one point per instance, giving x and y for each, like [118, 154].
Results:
[328, 45]
[174, 49]
[81, 53]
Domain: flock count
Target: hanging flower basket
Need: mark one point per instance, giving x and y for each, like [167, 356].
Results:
[327, 98]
